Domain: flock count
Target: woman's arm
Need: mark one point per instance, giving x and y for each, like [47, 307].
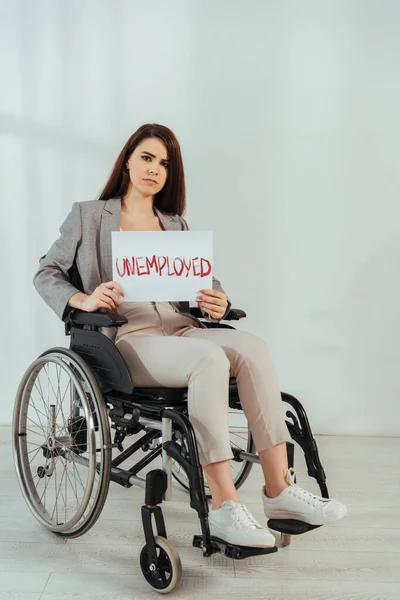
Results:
[216, 285]
[51, 278]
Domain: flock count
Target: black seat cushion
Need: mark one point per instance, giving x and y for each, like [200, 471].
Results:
[159, 394]
[173, 395]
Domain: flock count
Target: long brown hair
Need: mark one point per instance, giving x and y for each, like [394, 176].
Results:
[172, 198]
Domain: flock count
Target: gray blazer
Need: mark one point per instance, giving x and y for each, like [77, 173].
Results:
[86, 238]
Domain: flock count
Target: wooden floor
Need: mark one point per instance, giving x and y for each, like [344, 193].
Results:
[357, 558]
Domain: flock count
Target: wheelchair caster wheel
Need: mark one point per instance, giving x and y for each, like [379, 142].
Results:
[169, 566]
[41, 472]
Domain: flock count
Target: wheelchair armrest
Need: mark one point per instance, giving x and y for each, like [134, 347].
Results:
[233, 315]
[99, 318]
[110, 318]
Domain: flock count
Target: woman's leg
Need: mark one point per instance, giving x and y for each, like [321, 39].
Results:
[275, 468]
[203, 367]
[274, 464]
[219, 479]
[261, 400]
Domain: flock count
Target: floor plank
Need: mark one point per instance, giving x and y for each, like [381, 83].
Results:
[16, 586]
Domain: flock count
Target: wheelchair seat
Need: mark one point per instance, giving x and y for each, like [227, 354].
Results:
[161, 395]
[165, 396]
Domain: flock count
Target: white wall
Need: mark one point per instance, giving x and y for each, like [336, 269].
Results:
[288, 116]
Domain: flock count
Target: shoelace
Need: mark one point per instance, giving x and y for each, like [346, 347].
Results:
[244, 517]
[303, 495]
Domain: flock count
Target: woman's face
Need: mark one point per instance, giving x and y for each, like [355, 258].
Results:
[148, 166]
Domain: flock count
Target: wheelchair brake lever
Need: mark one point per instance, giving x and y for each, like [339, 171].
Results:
[118, 439]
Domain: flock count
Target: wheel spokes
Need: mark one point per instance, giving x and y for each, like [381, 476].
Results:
[54, 482]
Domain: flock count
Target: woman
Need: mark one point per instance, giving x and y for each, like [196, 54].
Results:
[163, 345]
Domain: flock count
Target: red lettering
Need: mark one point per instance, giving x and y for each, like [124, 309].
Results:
[170, 274]
[152, 263]
[160, 267]
[203, 273]
[187, 266]
[177, 271]
[117, 267]
[130, 267]
[141, 267]
[146, 265]
[196, 274]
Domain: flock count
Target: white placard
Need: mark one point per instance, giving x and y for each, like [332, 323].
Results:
[162, 266]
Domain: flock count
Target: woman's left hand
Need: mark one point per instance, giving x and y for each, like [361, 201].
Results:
[213, 302]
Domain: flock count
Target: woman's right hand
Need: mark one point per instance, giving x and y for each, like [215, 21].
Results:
[103, 297]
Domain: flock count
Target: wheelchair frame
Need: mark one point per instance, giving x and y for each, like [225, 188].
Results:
[133, 409]
[156, 408]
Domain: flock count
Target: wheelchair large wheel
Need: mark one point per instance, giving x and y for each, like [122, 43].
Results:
[61, 442]
[241, 439]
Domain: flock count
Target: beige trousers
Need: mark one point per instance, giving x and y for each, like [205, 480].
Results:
[164, 348]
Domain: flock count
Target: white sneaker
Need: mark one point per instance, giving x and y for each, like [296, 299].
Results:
[295, 503]
[233, 523]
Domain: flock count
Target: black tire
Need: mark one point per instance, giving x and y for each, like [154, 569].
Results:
[169, 564]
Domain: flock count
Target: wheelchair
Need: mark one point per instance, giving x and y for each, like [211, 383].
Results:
[67, 405]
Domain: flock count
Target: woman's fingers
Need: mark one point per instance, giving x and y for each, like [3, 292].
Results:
[211, 309]
[119, 289]
[211, 300]
[211, 306]
[213, 293]
[113, 295]
[214, 305]
[108, 299]
[104, 305]
[114, 285]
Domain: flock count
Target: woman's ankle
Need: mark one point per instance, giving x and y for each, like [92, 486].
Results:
[274, 491]
[279, 484]
[217, 503]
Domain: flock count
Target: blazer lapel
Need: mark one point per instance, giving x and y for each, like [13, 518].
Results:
[109, 221]
[168, 221]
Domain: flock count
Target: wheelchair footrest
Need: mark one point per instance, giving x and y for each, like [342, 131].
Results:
[232, 550]
[291, 526]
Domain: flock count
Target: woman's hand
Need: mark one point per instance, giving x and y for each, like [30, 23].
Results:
[213, 302]
[103, 297]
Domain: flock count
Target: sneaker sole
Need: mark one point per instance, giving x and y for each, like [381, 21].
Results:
[220, 536]
[222, 541]
[296, 517]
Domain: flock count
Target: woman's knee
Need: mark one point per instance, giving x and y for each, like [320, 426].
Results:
[214, 357]
[211, 362]
[251, 346]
